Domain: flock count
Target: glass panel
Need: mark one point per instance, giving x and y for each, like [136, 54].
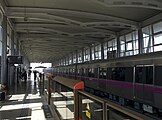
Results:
[99, 55]
[122, 40]
[158, 39]
[135, 44]
[92, 49]
[135, 35]
[109, 43]
[105, 54]
[90, 109]
[117, 115]
[128, 37]
[146, 31]
[157, 27]
[149, 49]
[122, 47]
[158, 48]
[129, 53]
[147, 41]
[114, 42]
[74, 58]
[129, 46]
[63, 100]
[136, 52]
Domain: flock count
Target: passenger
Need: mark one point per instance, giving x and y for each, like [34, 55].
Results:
[29, 73]
[40, 75]
[35, 75]
[24, 74]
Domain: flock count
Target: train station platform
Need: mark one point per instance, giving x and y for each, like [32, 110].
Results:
[26, 102]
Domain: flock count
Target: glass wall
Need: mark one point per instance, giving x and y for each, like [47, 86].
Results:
[92, 50]
[105, 50]
[147, 39]
[80, 57]
[157, 36]
[97, 52]
[74, 58]
[112, 48]
[129, 44]
[70, 60]
[87, 54]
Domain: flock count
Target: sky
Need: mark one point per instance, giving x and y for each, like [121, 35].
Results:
[33, 65]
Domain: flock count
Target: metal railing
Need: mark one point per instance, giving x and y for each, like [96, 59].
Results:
[96, 108]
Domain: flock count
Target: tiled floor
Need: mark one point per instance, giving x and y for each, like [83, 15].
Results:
[25, 102]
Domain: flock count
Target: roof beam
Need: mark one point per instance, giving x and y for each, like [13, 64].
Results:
[149, 4]
[16, 10]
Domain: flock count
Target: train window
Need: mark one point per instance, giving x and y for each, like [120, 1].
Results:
[158, 75]
[149, 75]
[104, 73]
[114, 74]
[138, 75]
[121, 74]
[129, 74]
[78, 71]
[118, 74]
[96, 70]
[109, 73]
[84, 72]
[144, 75]
[92, 72]
[100, 72]
[87, 72]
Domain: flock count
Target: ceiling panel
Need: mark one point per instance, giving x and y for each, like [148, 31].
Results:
[52, 29]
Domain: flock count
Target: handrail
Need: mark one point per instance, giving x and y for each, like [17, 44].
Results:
[96, 98]
[126, 111]
[70, 83]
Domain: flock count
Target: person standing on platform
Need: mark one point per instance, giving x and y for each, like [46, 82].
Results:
[24, 75]
[29, 73]
[35, 75]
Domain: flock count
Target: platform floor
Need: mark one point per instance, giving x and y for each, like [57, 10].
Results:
[26, 101]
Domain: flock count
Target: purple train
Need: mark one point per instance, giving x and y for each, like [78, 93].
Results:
[130, 81]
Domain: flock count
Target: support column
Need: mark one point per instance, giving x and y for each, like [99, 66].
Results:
[90, 52]
[76, 56]
[140, 40]
[118, 46]
[102, 51]
[12, 53]
[4, 81]
[72, 59]
[82, 55]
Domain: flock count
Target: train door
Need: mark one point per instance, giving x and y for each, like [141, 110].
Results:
[143, 83]
[102, 78]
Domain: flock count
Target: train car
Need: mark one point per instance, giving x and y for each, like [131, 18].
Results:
[130, 81]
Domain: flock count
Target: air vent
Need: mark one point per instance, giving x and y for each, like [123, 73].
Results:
[119, 3]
